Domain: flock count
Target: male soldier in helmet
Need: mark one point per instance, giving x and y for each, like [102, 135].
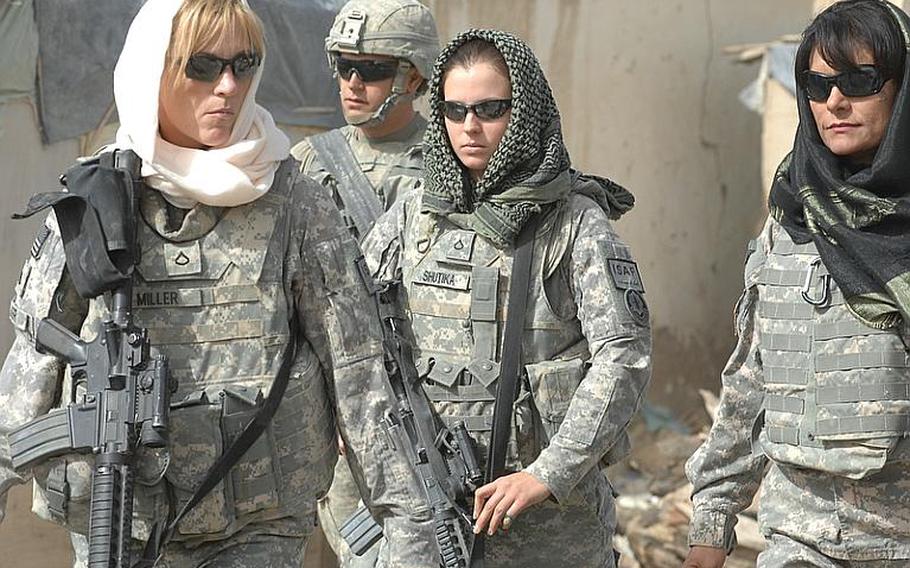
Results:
[382, 53]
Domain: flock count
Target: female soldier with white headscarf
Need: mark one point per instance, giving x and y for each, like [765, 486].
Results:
[234, 248]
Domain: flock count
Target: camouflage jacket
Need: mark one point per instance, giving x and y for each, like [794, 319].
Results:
[808, 393]
[217, 295]
[392, 164]
[586, 354]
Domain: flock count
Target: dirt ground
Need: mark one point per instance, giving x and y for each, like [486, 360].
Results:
[28, 542]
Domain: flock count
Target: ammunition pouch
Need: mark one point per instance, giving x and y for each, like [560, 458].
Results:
[63, 491]
[202, 428]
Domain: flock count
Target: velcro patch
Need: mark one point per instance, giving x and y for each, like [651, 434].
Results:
[443, 279]
[625, 275]
[40, 239]
[182, 259]
[461, 246]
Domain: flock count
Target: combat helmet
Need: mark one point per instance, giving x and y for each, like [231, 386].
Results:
[403, 29]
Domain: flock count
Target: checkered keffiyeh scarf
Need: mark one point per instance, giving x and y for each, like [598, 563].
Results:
[524, 173]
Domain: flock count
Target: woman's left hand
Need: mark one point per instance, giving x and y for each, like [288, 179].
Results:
[506, 498]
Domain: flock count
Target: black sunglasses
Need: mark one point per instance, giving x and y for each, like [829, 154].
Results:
[486, 110]
[863, 81]
[369, 70]
[207, 67]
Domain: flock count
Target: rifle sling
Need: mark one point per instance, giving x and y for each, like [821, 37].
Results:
[507, 389]
[356, 192]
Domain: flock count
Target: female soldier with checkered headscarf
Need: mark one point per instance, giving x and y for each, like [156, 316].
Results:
[497, 174]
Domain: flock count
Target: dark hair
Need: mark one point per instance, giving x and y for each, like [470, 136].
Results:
[476, 51]
[848, 26]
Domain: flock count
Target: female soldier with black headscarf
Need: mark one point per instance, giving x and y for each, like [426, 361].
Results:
[818, 386]
[497, 176]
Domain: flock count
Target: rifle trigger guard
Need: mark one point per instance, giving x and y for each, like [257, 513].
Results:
[807, 286]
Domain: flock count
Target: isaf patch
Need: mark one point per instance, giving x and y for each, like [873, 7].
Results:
[626, 278]
[625, 275]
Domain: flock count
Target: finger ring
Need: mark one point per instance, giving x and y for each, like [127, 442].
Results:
[506, 523]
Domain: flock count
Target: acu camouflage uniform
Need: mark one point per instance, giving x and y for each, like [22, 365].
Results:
[386, 169]
[817, 404]
[586, 359]
[392, 165]
[217, 291]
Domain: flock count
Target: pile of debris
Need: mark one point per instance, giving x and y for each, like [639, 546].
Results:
[653, 505]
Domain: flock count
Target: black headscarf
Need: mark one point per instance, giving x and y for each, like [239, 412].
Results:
[858, 220]
[527, 172]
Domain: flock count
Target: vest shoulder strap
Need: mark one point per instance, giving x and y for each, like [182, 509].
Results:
[356, 192]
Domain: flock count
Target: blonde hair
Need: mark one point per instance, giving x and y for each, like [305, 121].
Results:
[202, 23]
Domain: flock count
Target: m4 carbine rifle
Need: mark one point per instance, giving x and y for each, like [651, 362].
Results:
[444, 460]
[125, 403]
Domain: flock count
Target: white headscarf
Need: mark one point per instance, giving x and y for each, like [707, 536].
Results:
[233, 175]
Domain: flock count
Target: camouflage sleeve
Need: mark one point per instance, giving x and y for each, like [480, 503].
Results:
[619, 340]
[30, 382]
[382, 245]
[339, 321]
[724, 472]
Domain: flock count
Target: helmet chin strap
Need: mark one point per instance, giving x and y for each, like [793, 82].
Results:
[397, 95]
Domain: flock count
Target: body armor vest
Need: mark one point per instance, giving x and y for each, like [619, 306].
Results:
[218, 306]
[837, 392]
[457, 286]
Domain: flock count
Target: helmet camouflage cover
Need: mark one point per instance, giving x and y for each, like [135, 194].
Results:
[404, 29]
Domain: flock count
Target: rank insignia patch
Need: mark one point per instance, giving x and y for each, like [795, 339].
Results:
[182, 259]
[460, 246]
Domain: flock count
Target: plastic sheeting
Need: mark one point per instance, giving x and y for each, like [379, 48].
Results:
[18, 49]
[777, 63]
[79, 42]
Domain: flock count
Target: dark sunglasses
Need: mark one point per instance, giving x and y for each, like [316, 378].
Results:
[206, 67]
[863, 81]
[486, 110]
[369, 70]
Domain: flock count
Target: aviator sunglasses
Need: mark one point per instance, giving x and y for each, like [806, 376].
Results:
[369, 70]
[863, 81]
[207, 67]
[486, 110]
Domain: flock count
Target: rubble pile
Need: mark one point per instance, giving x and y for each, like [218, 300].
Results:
[653, 506]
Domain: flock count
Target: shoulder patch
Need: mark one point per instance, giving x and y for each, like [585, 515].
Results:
[637, 307]
[625, 275]
[40, 239]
